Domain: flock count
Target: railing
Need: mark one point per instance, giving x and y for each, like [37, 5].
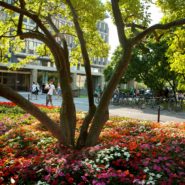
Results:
[144, 101]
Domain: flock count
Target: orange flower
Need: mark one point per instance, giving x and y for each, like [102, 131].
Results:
[119, 171]
[132, 145]
[126, 172]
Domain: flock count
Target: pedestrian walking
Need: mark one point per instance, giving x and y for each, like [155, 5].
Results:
[34, 90]
[59, 91]
[51, 91]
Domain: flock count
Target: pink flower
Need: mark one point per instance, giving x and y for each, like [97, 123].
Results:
[157, 168]
[145, 146]
[47, 177]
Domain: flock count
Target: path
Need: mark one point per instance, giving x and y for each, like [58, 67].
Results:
[143, 114]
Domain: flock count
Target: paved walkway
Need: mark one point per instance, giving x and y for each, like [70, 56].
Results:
[148, 114]
[143, 114]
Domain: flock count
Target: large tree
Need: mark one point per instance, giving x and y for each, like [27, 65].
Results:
[132, 24]
[176, 38]
[149, 64]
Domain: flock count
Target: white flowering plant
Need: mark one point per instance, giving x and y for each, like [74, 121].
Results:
[106, 156]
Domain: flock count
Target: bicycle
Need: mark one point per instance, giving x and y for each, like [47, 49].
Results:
[176, 106]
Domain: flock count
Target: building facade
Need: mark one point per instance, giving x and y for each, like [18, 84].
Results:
[42, 69]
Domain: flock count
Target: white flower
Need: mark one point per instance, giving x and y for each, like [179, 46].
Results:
[97, 169]
[127, 154]
[118, 154]
[158, 144]
[146, 169]
[142, 182]
[151, 174]
[151, 178]
[158, 176]
[151, 182]
[97, 160]
[12, 180]
[102, 161]
[94, 166]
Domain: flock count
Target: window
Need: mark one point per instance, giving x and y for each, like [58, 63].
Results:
[31, 47]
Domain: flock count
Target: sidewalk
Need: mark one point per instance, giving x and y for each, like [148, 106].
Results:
[143, 114]
[148, 114]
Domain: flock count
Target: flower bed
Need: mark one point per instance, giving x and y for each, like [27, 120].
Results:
[130, 152]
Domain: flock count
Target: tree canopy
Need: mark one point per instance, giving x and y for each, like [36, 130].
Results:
[173, 10]
[149, 65]
[57, 18]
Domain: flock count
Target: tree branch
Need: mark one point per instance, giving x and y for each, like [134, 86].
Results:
[133, 25]
[21, 16]
[50, 39]
[119, 23]
[151, 29]
[84, 54]
[32, 16]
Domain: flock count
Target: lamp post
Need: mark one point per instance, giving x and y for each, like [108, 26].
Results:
[158, 116]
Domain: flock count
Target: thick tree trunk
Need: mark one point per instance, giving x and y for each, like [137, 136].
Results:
[100, 115]
[32, 109]
[84, 129]
[68, 112]
[68, 116]
[92, 107]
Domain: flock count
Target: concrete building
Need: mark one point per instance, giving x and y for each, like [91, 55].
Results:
[43, 69]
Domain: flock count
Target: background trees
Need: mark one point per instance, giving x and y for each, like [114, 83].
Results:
[131, 19]
[149, 64]
[176, 42]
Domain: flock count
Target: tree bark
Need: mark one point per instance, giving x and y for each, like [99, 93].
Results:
[92, 107]
[101, 112]
[85, 56]
[84, 129]
[68, 111]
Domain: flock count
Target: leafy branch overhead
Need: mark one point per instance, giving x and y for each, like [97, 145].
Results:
[44, 15]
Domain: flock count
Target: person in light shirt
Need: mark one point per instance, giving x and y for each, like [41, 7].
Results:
[34, 90]
[51, 91]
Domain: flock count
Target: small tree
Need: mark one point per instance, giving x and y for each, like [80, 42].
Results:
[131, 22]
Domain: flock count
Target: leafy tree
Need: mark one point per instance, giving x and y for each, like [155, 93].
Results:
[149, 65]
[176, 55]
[132, 24]
[176, 39]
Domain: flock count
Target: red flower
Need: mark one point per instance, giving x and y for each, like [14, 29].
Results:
[133, 145]
[70, 180]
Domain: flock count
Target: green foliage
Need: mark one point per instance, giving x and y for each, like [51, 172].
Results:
[149, 65]
[11, 110]
[176, 55]
[172, 9]
[133, 11]
[89, 12]
[108, 71]
[175, 10]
